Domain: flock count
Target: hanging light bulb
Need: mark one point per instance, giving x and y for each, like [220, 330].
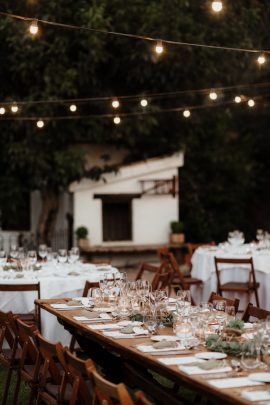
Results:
[2, 110]
[73, 107]
[144, 102]
[186, 113]
[40, 124]
[217, 6]
[237, 99]
[115, 103]
[251, 103]
[213, 95]
[33, 29]
[14, 108]
[261, 59]
[159, 49]
[117, 120]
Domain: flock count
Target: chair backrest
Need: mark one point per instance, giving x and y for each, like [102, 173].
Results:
[107, 392]
[232, 302]
[163, 277]
[78, 377]
[141, 399]
[52, 359]
[254, 312]
[27, 340]
[24, 288]
[8, 333]
[191, 247]
[241, 263]
[169, 259]
[146, 268]
[88, 285]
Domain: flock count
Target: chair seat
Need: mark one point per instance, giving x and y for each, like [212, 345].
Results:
[234, 286]
[187, 280]
[27, 317]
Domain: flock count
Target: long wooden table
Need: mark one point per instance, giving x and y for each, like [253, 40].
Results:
[96, 345]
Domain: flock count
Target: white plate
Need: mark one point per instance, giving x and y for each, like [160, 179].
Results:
[210, 355]
[260, 377]
[168, 338]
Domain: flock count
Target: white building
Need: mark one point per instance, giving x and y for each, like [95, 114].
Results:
[131, 207]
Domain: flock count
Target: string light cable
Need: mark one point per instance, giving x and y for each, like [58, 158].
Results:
[158, 41]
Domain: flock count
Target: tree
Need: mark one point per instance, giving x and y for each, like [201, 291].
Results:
[65, 64]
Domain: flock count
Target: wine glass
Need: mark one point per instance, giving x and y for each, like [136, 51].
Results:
[74, 254]
[62, 256]
[32, 258]
[42, 251]
[230, 311]
[3, 258]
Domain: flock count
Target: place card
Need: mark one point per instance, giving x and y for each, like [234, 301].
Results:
[180, 360]
[197, 370]
[254, 396]
[234, 382]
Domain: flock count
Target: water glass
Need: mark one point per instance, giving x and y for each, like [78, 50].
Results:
[3, 258]
[62, 255]
[250, 357]
[230, 311]
[150, 322]
[96, 295]
[42, 251]
[124, 307]
[32, 258]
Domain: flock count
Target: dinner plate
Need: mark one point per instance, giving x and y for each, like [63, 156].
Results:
[168, 338]
[260, 377]
[210, 355]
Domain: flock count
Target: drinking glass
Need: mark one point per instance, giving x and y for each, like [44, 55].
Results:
[32, 258]
[124, 307]
[96, 295]
[3, 258]
[42, 251]
[250, 357]
[62, 255]
[14, 251]
[150, 322]
[183, 301]
[230, 311]
[74, 255]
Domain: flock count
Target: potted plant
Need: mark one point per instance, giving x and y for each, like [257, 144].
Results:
[177, 232]
[82, 239]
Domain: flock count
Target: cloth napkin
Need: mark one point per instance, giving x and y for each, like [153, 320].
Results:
[200, 370]
[93, 316]
[152, 349]
[104, 327]
[234, 382]
[164, 345]
[169, 361]
[119, 335]
[105, 309]
[254, 396]
[66, 307]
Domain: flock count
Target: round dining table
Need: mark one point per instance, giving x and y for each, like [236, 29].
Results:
[56, 281]
[203, 267]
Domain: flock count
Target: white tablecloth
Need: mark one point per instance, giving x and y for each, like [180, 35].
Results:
[55, 282]
[203, 267]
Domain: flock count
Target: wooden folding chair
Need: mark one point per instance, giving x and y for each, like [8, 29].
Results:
[232, 302]
[29, 362]
[248, 287]
[105, 392]
[163, 277]
[9, 353]
[147, 268]
[78, 377]
[35, 287]
[254, 312]
[52, 379]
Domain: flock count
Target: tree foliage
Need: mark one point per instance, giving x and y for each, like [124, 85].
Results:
[225, 179]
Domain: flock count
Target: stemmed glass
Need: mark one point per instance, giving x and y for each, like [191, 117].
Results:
[62, 256]
[42, 252]
[3, 258]
[13, 252]
[183, 301]
[73, 255]
[32, 258]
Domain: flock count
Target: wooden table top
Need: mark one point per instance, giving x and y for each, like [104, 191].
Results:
[127, 349]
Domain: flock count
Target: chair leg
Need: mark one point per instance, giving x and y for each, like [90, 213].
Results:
[7, 384]
[256, 297]
[17, 388]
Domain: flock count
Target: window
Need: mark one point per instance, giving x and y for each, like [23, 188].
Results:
[116, 218]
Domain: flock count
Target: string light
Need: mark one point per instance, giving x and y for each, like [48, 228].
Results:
[213, 95]
[251, 103]
[261, 59]
[40, 124]
[33, 29]
[159, 49]
[73, 107]
[186, 113]
[2, 110]
[115, 103]
[14, 108]
[217, 6]
[237, 99]
[144, 102]
[117, 120]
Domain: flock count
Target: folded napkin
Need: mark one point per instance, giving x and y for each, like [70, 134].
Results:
[105, 309]
[119, 335]
[248, 325]
[73, 273]
[164, 345]
[234, 382]
[93, 316]
[152, 349]
[104, 326]
[127, 329]
[199, 369]
[254, 396]
[73, 303]
[169, 361]
[66, 307]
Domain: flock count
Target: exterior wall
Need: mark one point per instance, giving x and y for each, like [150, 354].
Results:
[151, 214]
